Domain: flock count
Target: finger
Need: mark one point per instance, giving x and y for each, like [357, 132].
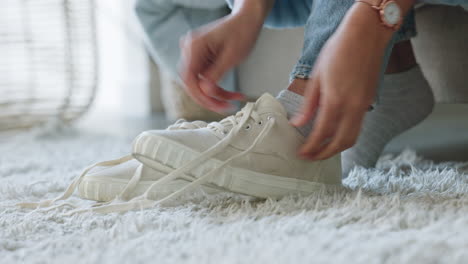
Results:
[215, 72]
[218, 67]
[328, 117]
[190, 66]
[192, 63]
[192, 88]
[345, 137]
[309, 107]
[204, 100]
[213, 90]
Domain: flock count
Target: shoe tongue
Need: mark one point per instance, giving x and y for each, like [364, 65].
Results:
[268, 103]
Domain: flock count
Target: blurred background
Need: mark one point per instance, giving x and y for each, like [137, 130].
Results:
[111, 66]
[63, 58]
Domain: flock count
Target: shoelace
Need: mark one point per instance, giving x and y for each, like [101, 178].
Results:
[71, 188]
[184, 124]
[235, 123]
[229, 122]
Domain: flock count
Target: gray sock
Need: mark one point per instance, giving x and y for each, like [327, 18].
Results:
[405, 100]
[292, 103]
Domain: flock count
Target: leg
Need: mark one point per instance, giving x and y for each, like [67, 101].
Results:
[405, 100]
[398, 108]
[402, 58]
[324, 19]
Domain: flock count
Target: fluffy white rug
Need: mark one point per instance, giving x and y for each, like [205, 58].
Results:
[406, 211]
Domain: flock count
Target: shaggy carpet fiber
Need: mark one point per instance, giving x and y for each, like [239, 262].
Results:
[408, 210]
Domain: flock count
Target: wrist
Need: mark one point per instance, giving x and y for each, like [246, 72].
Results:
[364, 20]
[255, 10]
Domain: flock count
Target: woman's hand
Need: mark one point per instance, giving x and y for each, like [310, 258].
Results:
[343, 83]
[209, 52]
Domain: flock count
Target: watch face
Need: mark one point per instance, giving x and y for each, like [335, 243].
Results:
[391, 13]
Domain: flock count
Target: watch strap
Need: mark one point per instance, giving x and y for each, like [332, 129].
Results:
[379, 5]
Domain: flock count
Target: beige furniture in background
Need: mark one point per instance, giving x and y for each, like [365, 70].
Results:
[441, 48]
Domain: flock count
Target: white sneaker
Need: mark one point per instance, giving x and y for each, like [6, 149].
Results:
[252, 152]
[127, 180]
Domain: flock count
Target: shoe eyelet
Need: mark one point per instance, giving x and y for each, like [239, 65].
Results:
[247, 127]
[260, 122]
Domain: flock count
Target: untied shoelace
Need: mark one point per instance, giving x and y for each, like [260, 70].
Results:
[121, 203]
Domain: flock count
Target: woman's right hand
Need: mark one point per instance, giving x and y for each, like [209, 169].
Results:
[211, 51]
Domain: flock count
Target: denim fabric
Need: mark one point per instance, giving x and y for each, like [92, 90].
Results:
[323, 20]
[166, 21]
[286, 13]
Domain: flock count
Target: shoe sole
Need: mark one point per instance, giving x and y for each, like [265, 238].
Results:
[165, 155]
[104, 189]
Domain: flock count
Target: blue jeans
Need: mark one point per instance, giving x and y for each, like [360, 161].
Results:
[321, 18]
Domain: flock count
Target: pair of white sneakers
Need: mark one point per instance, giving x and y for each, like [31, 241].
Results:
[252, 152]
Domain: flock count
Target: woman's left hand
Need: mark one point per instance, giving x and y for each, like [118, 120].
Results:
[343, 84]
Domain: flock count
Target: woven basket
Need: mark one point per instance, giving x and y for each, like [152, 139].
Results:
[48, 61]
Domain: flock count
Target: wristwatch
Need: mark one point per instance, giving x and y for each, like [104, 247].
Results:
[389, 11]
